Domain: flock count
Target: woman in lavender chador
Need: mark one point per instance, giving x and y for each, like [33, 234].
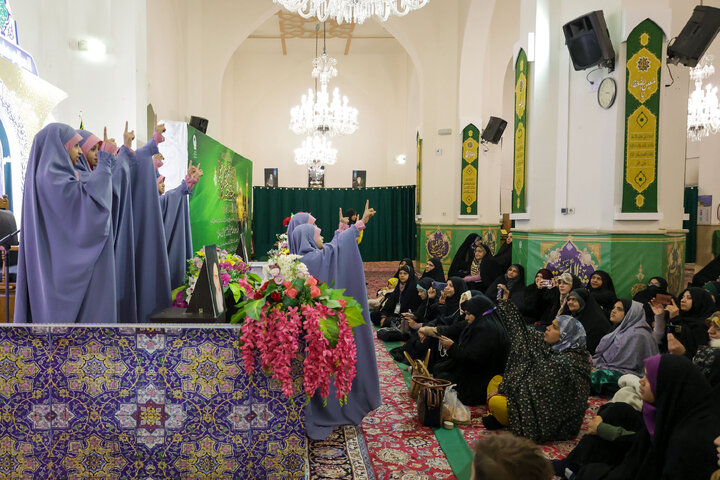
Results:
[340, 262]
[66, 267]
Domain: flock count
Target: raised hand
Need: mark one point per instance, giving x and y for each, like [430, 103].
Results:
[159, 127]
[128, 136]
[369, 212]
[106, 139]
[344, 220]
[656, 307]
[673, 309]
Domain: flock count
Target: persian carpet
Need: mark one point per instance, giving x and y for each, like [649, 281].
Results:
[552, 450]
[342, 455]
[400, 447]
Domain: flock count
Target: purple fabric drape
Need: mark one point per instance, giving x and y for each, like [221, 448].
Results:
[340, 262]
[66, 268]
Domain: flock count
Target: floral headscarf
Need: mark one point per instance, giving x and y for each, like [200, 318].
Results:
[572, 334]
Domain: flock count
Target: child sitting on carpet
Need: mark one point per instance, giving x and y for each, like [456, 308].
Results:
[378, 302]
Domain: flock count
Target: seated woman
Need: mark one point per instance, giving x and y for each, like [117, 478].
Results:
[477, 354]
[503, 257]
[513, 280]
[543, 394]
[425, 313]
[460, 265]
[602, 289]
[623, 350]
[707, 358]
[655, 285]
[383, 294]
[609, 436]
[403, 299]
[405, 261]
[681, 420]
[483, 269]
[434, 270]
[553, 302]
[448, 313]
[682, 330]
[583, 307]
[538, 297]
[427, 310]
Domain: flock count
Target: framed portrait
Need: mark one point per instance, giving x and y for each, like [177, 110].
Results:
[213, 272]
[358, 178]
[316, 177]
[271, 177]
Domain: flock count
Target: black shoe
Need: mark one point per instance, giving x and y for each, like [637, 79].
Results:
[491, 423]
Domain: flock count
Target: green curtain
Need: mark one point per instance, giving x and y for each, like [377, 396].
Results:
[390, 234]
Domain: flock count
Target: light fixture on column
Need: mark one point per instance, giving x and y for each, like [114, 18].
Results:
[703, 107]
[316, 112]
[351, 11]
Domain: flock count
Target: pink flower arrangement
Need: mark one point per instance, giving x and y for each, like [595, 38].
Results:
[278, 317]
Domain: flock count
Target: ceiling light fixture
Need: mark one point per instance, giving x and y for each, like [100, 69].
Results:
[351, 11]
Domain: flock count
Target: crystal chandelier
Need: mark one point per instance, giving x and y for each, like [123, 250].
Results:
[316, 113]
[316, 150]
[703, 107]
[351, 11]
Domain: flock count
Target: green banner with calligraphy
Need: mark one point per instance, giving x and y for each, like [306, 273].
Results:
[642, 118]
[519, 165]
[469, 170]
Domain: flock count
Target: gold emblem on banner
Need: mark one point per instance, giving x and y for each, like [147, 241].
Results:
[643, 68]
[519, 180]
[470, 149]
[520, 91]
[469, 186]
[641, 149]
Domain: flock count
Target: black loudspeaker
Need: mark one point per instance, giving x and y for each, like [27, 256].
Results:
[199, 123]
[588, 41]
[494, 130]
[695, 37]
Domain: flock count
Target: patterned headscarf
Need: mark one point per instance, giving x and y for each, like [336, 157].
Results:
[572, 334]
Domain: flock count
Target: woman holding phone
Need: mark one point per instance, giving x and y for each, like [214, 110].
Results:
[680, 330]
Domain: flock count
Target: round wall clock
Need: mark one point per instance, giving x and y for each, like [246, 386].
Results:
[607, 92]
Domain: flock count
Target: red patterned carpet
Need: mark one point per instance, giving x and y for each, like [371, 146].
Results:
[399, 446]
[552, 450]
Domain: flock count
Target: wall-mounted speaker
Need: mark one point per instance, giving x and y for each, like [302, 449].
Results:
[588, 42]
[695, 37]
[494, 130]
[199, 123]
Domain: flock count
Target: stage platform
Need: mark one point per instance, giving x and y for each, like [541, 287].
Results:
[142, 401]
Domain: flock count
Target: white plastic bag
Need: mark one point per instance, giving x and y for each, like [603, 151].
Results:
[453, 408]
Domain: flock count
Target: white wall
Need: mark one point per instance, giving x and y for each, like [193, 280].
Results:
[108, 91]
[257, 103]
